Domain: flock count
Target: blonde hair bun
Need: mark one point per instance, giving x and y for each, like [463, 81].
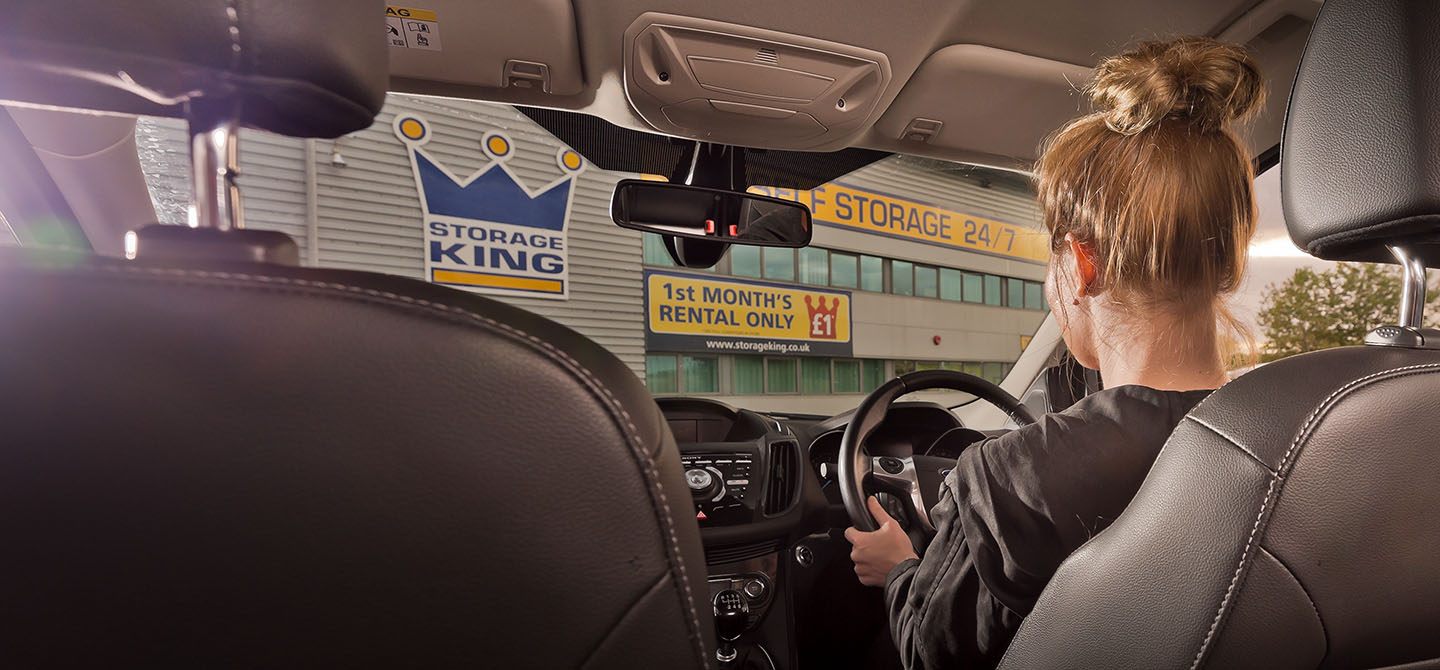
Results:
[1195, 79]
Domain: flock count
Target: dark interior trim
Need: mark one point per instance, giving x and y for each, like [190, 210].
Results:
[1267, 159]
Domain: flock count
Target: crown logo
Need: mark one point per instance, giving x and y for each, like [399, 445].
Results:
[822, 317]
[493, 193]
[489, 232]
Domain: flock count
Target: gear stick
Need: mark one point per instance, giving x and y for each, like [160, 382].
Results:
[731, 615]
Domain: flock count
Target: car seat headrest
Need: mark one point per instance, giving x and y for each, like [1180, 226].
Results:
[1360, 160]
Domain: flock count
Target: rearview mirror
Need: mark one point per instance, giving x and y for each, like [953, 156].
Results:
[712, 214]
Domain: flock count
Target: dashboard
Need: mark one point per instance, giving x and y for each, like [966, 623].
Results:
[770, 512]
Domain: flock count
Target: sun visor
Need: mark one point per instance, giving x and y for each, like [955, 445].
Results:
[487, 43]
[734, 84]
[983, 100]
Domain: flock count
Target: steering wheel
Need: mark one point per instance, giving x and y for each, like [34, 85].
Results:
[898, 476]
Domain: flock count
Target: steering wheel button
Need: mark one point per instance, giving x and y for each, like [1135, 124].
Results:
[892, 465]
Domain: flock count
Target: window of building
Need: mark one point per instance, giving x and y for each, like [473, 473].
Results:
[926, 285]
[872, 374]
[843, 271]
[814, 266]
[951, 285]
[779, 263]
[927, 365]
[814, 375]
[992, 290]
[847, 377]
[994, 372]
[904, 367]
[700, 374]
[660, 374]
[974, 288]
[823, 267]
[747, 375]
[655, 252]
[1015, 292]
[902, 278]
[872, 274]
[780, 375]
[745, 261]
[1034, 295]
[975, 369]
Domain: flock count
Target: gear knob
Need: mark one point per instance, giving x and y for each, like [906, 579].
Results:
[731, 614]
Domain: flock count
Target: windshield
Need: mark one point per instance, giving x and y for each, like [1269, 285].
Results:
[914, 264]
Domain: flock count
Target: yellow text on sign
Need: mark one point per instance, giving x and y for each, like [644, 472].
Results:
[408, 13]
[695, 306]
[877, 213]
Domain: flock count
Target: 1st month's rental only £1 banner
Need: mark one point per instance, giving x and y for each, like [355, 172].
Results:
[685, 312]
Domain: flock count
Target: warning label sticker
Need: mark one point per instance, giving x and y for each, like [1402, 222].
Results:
[412, 28]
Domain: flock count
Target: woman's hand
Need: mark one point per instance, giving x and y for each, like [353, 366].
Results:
[877, 553]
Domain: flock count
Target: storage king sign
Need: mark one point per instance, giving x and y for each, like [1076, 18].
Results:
[488, 232]
[685, 312]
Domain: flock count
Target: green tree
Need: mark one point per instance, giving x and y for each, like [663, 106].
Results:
[1333, 308]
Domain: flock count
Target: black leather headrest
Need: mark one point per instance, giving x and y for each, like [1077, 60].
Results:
[1360, 162]
[304, 68]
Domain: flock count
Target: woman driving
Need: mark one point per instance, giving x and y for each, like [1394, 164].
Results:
[1149, 205]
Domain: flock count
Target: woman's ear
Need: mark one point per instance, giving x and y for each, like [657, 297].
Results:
[1085, 269]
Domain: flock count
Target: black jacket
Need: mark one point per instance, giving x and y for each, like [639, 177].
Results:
[1012, 509]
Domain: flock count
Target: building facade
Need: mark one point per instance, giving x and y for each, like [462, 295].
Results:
[914, 263]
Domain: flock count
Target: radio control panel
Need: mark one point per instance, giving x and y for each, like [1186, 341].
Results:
[723, 486]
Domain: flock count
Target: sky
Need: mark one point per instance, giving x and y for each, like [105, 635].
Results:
[1273, 258]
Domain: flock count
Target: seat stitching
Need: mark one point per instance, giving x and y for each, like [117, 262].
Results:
[232, 15]
[1277, 482]
[603, 393]
[1233, 441]
[1316, 609]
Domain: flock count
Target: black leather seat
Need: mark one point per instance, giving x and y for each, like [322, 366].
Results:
[1293, 519]
[210, 463]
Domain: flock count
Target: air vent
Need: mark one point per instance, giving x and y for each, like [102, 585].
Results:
[783, 477]
[767, 55]
[735, 553]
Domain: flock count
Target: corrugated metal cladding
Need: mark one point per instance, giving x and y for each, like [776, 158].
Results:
[368, 211]
[272, 172]
[369, 214]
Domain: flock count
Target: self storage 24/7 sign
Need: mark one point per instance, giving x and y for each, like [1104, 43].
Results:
[858, 209]
[685, 312]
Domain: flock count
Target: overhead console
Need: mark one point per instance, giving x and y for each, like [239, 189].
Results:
[734, 84]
